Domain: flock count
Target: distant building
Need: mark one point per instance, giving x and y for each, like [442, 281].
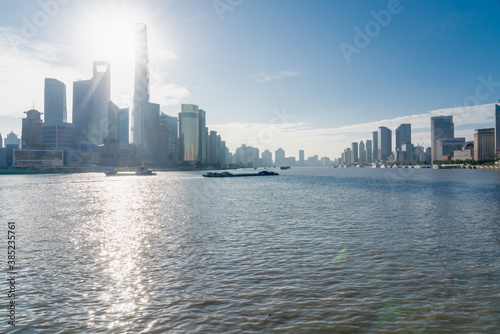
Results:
[447, 146]
[202, 135]
[408, 152]
[369, 152]
[441, 127]
[58, 135]
[171, 123]
[31, 136]
[90, 106]
[347, 156]
[38, 158]
[301, 157]
[1, 141]
[354, 153]
[375, 145]
[403, 135]
[384, 143]
[362, 152]
[189, 133]
[279, 157]
[465, 153]
[12, 139]
[267, 158]
[484, 144]
[55, 101]
[247, 156]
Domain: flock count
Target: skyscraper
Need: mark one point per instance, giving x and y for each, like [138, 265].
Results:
[301, 157]
[441, 127]
[141, 83]
[31, 135]
[55, 101]
[369, 153]
[384, 143]
[497, 130]
[354, 152]
[484, 144]
[362, 152]
[403, 135]
[279, 157]
[189, 133]
[171, 122]
[203, 132]
[375, 145]
[90, 106]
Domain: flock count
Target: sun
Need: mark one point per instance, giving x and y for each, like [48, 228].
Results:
[107, 34]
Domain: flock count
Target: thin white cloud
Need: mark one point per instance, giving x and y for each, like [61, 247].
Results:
[265, 77]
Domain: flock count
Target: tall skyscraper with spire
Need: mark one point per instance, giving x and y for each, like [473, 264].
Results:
[141, 84]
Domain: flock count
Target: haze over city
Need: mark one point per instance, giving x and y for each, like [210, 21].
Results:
[291, 74]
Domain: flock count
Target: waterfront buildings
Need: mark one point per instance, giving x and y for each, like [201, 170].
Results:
[369, 153]
[354, 153]
[90, 106]
[384, 143]
[55, 109]
[375, 145]
[465, 153]
[403, 135]
[202, 135]
[12, 139]
[279, 157]
[267, 158]
[362, 152]
[441, 127]
[31, 135]
[301, 157]
[445, 147]
[189, 133]
[484, 144]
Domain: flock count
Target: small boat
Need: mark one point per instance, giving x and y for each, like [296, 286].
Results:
[141, 170]
[285, 167]
[227, 174]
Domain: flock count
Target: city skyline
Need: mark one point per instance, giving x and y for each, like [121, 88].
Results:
[275, 117]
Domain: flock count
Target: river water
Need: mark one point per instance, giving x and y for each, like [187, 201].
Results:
[313, 250]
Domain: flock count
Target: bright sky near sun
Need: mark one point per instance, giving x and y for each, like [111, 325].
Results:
[313, 75]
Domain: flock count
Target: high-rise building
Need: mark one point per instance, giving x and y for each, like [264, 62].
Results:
[279, 157]
[189, 133]
[267, 158]
[375, 145]
[90, 106]
[55, 109]
[484, 144]
[172, 123]
[301, 157]
[354, 152]
[497, 130]
[441, 127]
[403, 135]
[362, 152]
[12, 139]
[1, 141]
[384, 143]
[141, 83]
[369, 153]
[347, 156]
[31, 136]
[203, 135]
[58, 135]
[213, 151]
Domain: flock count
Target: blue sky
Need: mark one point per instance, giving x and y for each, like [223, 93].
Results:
[269, 73]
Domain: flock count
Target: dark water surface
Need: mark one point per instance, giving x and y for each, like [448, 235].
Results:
[314, 250]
